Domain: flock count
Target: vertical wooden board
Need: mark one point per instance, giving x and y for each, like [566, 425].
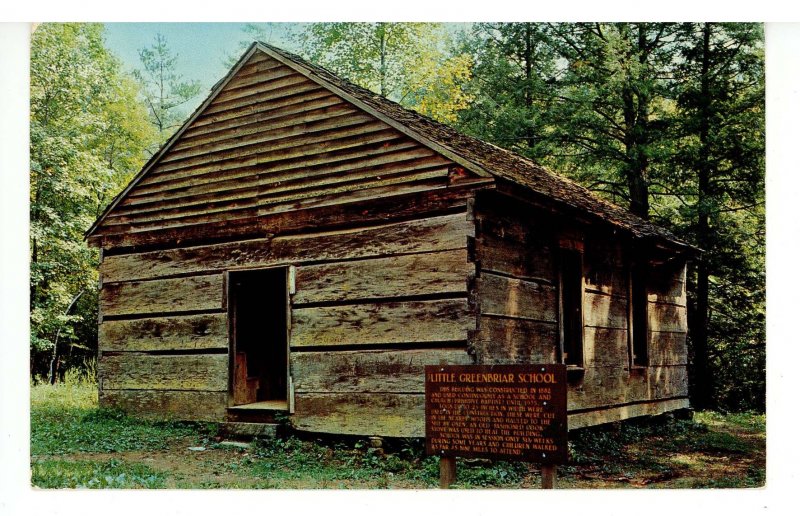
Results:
[663, 317]
[385, 415]
[605, 347]
[513, 259]
[369, 371]
[382, 323]
[499, 295]
[162, 296]
[187, 332]
[667, 348]
[168, 372]
[514, 341]
[415, 236]
[443, 272]
[172, 405]
[604, 311]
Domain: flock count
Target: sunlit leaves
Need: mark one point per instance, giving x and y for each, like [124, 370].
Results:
[88, 133]
[410, 63]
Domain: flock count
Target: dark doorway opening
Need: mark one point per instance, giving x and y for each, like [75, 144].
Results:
[258, 313]
[638, 302]
[571, 293]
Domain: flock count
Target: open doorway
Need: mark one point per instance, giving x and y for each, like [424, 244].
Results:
[258, 313]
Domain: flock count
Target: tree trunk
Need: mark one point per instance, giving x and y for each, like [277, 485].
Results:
[382, 33]
[636, 112]
[636, 161]
[703, 380]
[55, 358]
[528, 58]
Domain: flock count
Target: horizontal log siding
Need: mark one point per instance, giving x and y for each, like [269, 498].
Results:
[380, 205]
[163, 404]
[158, 357]
[607, 381]
[398, 288]
[376, 371]
[175, 295]
[401, 301]
[271, 141]
[164, 334]
[516, 295]
[515, 288]
[142, 371]
[438, 233]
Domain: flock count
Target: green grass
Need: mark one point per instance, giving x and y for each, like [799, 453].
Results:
[746, 421]
[65, 419]
[57, 473]
[293, 459]
[75, 444]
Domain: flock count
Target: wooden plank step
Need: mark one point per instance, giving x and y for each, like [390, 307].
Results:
[263, 405]
[237, 429]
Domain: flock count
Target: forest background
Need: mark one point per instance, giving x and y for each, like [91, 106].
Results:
[666, 119]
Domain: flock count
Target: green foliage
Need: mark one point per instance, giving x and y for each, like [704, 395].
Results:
[494, 474]
[262, 32]
[57, 474]
[87, 138]
[163, 88]
[748, 421]
[293, 458]
[629, 111]
[410, 63]
[65, 419]
[721, 156]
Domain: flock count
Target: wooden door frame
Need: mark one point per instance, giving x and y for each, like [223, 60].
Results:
[289, 288]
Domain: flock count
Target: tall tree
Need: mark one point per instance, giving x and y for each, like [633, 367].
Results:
[514, 64]
[669, 119]
[164, 89]
[587, 93]
[721, 124]
[87, 138]
[409, 63]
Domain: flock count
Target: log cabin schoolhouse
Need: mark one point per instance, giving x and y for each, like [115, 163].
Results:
[304, 246]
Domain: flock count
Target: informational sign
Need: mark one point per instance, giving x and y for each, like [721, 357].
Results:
[507, 412]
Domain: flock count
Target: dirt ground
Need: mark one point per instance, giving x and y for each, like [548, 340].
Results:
[659, 464]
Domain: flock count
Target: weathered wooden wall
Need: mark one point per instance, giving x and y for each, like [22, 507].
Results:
[517, 300]
[365, 325]
[373, 304]
[277, 170]
[515, 286]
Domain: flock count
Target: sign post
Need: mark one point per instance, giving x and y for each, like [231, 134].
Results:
[506, 412]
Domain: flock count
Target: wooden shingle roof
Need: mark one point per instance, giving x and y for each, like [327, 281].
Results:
[486, 157]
